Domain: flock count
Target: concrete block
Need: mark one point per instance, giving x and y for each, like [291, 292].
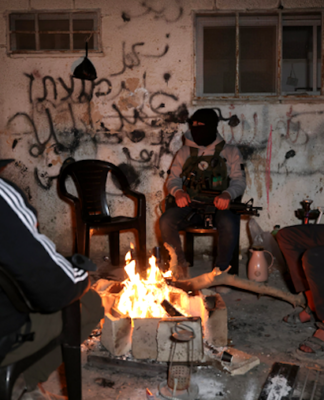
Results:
[164, 342]
[302, 4]
[240, 364]
[144, 345]
[116, 334]
[247, 4]
[216, 326]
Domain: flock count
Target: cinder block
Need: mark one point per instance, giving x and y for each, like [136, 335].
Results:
[164, 342]
[216, 326]
[116, 334]
[144, 345]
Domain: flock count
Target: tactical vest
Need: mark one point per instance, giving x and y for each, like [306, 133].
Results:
[205, 176]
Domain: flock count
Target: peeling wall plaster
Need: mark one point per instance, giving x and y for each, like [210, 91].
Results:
[133, 116]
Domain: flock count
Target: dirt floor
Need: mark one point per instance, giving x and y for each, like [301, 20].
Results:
[255, 327]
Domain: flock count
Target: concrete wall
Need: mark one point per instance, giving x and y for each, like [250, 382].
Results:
[130, 115]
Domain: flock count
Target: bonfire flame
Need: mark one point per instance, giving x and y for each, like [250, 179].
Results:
[142, 298]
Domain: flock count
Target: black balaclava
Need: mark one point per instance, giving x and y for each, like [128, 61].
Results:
[204, 135]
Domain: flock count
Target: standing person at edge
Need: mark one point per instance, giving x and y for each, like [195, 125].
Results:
[204, 160]
[49, 280]
[303, 249]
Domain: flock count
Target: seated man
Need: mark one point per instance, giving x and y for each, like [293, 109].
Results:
[204, 164]
[49, 280]
[303, 249]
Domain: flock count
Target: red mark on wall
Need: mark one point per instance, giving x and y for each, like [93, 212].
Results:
[268, 166]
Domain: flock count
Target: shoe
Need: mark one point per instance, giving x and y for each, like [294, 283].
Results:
[41, 394]
[317, 347]
[217, 271]
[294, 318]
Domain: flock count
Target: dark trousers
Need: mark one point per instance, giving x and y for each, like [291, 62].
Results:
[226, 222]
[303, 249]
[46, 328]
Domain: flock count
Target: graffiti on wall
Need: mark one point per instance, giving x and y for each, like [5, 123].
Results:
[63, 119]
[67, 117]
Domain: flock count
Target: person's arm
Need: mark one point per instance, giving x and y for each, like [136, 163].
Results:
[175, 182]
[48, 279]
[236, 171]
[234, 161]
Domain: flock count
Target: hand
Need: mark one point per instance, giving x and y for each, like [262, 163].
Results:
[222, 201]
[182, 198]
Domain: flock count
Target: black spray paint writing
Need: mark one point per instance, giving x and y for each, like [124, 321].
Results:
[67, 140]
[165, 11]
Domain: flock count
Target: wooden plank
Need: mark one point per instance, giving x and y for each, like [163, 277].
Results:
[126, 366]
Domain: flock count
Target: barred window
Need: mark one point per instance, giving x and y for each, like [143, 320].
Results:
[241, 54]
[43, 31]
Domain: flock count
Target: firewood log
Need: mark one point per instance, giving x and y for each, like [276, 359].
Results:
[211, 279]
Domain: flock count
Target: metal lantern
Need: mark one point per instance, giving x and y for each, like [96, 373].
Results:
[178, 385]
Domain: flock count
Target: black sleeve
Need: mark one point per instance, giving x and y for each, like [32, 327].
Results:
[48, 279]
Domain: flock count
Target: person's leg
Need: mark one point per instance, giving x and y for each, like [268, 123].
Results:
[314, 270]
[293, 242]
[228, 227]
[312, 261]
[92, 312]
[46, 328]
[173, 221]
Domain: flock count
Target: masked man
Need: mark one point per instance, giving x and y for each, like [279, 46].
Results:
[49, 281]
[204, 168]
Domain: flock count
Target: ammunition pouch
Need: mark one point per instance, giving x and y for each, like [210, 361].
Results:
[205, 176]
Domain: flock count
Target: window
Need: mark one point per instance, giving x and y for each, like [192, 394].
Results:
[42, 31]
[245, 54]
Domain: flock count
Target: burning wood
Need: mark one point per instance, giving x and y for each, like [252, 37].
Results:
[172, 311]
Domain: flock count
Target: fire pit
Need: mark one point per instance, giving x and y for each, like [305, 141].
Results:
[141, 313]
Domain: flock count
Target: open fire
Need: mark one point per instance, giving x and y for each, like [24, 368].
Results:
[140, 313]
[142, 298]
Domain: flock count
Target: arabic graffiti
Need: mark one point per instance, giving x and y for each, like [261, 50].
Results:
[169, 12]
[63, 119]
[132, 59]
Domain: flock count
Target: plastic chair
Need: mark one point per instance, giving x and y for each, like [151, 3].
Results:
[69, 340]
[189, 246]
[91, 207]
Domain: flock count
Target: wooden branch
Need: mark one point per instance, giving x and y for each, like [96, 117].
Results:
[210, 279]
[207, 280]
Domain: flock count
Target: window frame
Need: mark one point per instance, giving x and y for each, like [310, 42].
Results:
[64, 13]
[200, 19]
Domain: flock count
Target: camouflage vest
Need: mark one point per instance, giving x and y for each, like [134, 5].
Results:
[205, 176]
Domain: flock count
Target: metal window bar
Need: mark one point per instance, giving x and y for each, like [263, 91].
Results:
[36, 32]
[282, 20]
[237, 55]
[314, 58]
[322, 55]
[279, 55]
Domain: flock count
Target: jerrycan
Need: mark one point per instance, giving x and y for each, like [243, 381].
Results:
[258, 268]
